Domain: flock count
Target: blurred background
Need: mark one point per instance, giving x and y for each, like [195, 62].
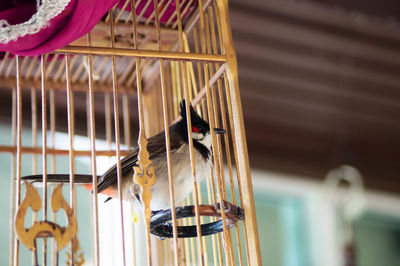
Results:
[320, 87]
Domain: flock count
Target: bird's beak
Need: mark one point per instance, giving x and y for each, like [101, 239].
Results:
[219, 131]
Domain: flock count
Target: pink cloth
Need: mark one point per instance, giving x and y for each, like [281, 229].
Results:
[77, 19]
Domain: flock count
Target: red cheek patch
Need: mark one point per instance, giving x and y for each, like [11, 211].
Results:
[195, 129]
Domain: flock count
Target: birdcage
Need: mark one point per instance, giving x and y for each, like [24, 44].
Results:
[89, 102]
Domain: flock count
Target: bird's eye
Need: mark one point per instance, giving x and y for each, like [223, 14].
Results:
[195, 129]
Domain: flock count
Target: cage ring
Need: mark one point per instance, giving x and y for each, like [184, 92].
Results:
[161, 226]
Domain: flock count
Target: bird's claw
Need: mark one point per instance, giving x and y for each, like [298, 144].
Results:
[232, 212]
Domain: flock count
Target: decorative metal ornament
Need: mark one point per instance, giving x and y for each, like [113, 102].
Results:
[62, 235]
[144, 173]
[78, 258]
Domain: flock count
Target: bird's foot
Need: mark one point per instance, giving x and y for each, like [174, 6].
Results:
[233, 213]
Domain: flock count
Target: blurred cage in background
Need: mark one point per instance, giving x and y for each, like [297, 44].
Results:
[133, 59]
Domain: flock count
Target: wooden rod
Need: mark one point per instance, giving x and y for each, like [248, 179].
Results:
[107, 51]
[60, 86]
[190, 138]
[93, 153]
[243, 166]
[53, 157]
[70, 116]
[13, 193]
[141, 122]
[117, 135]
[44, 133]
[167, 139]
[37, 150]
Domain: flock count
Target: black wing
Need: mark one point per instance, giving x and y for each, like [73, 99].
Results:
[110, 176]
[155, 147]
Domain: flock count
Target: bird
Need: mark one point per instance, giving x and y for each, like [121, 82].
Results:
[180, 164]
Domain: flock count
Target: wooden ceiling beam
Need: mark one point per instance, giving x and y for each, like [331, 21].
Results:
[314, 111]
[338, 68]
[327, 16]
[347, 103]
[311, 37]
[309, 82]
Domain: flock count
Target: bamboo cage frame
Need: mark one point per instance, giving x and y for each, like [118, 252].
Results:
[190, 56]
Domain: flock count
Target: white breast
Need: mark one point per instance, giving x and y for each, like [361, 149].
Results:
[182, 175]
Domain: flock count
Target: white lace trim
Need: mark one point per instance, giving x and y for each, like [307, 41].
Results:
[46, 10]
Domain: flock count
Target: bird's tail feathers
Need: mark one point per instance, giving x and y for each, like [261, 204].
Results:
[60, 178]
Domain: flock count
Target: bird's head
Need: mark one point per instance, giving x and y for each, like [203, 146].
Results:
[200, 128]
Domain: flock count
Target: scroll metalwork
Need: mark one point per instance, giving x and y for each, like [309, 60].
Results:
[144, 174]
[76, 256]
[62, 235]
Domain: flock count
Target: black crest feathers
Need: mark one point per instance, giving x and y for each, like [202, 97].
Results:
[182, 111]
[196, 119]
